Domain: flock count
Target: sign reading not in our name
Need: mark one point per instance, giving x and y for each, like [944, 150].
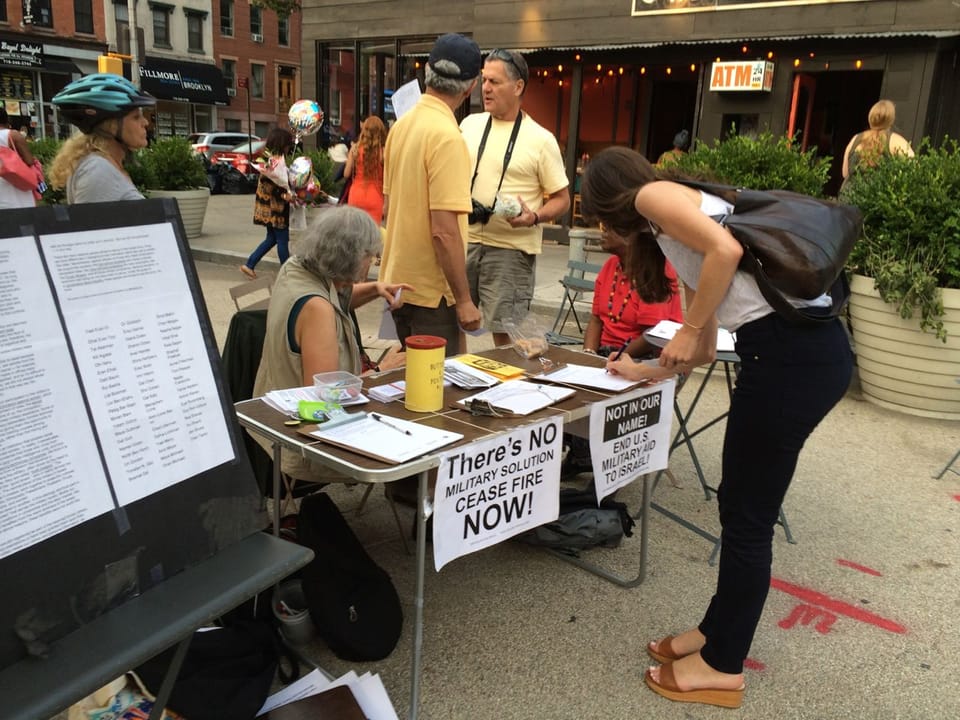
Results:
[630, 435]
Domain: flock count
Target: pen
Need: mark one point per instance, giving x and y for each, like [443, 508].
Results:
[621, 351]
[382, 419]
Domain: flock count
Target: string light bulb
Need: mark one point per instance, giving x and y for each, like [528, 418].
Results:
[577, 57]
[620, 70]
[693, 67]
[599, 67]
[858, 64]
[643, 70]
[417, 65]
[559, 68]
[770, 55]
[744, 49]
[669, 71]
[796, 62]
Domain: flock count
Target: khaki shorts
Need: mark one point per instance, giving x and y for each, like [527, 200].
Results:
[501, 283]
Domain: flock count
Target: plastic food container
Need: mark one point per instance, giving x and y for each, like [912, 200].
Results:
[337, 386]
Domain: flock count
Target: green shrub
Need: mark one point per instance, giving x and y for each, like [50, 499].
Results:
[170, 164]
[766, 162]
[324, 169]
[910, 243]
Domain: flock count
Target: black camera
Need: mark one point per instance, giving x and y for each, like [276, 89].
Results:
[480, 213]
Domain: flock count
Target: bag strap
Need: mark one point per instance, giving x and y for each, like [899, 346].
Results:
[506, 156]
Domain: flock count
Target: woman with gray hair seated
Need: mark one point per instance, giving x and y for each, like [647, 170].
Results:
[309, 328]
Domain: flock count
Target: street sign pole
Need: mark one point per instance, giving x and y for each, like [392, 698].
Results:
[244, 82]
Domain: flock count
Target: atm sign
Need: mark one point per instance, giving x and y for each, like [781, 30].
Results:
[750, 75]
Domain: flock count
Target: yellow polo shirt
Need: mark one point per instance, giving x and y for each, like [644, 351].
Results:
[426, 167]
[536, 168]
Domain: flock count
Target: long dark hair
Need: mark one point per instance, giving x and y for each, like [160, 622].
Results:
[608, 190]
[279, 141]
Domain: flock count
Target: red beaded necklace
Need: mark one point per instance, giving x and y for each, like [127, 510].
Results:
[623, 279]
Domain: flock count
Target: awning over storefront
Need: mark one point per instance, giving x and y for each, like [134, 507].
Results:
[183, 81]
[60, 65]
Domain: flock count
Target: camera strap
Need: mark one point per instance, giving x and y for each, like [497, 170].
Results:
[506, 156]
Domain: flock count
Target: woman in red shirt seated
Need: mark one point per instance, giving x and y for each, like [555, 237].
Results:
[619, 314]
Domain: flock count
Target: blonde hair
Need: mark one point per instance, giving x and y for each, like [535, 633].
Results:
[873, 142]
[76, 149]
[373, 136]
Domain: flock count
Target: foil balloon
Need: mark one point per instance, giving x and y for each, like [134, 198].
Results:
[305, 118]
[300, 171]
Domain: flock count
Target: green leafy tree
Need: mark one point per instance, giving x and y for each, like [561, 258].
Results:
[169, 164]
[45, 150]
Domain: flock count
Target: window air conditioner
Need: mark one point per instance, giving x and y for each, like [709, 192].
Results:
[232, 92]
[256, 37]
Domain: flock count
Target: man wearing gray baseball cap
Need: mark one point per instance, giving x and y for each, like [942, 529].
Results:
[426, 187]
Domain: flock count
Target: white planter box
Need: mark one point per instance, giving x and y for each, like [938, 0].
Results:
[901, 367]
[193, 207]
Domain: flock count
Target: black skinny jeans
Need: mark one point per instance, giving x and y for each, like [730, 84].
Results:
[790, 378]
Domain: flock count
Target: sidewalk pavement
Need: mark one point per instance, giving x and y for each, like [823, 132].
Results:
[229, 236]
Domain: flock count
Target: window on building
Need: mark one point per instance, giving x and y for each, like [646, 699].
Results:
[161, 24]
[256, 21]
[261, 128]
[38, 13]
[3, 12]
[82, 15]
[195, 20]
[286, 77]
[257, 76]
[232, 125]
[283, 31]
[226, 17]
[229, 70]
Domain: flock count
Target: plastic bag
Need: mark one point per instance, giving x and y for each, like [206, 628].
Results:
[529, 337]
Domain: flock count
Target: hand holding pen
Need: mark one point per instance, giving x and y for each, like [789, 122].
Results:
[615, 358]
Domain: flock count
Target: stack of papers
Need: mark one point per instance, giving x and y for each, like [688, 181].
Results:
[466, 376]
[287, 401]
[518, 397]
[368, 690]
[388, 392]
[589, 377]
[492, 367]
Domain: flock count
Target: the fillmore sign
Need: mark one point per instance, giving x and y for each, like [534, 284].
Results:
[660, 7]
[20, 53]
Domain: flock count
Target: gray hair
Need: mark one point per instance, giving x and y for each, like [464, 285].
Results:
[337, 242]
[445, 85]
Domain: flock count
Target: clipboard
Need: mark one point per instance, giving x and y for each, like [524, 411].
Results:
[515, 398]
[387, 439]
[592, 378]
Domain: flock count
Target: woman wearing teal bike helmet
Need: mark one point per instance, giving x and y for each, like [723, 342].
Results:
[108, 111]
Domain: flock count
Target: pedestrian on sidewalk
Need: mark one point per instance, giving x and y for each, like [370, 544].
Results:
[365, 167]
[108, 110]
[271, 208]
[11, 196]
[790, 377]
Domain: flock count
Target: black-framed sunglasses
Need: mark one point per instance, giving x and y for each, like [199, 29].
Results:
[507, 56]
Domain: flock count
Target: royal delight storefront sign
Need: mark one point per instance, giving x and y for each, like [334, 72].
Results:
[742, 75]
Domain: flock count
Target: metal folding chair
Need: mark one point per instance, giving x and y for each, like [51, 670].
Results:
[576, 285]
[263, 282]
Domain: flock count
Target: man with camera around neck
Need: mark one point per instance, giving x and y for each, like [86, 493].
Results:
[427, 198]
[517, 161]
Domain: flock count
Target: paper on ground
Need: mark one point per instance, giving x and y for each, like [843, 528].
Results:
[368, 689]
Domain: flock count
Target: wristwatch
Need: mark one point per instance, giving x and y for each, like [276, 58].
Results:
[536, 219]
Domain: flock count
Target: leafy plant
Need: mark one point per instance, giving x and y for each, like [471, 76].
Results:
[324, 169]
[283, 8]
[765, 162]
[910, 243]
[170, 164]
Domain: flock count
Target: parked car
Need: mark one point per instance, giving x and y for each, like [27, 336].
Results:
[208, 143]
[234, 167]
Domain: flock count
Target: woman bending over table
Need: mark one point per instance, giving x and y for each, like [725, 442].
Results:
[790, 378]
[309, 328]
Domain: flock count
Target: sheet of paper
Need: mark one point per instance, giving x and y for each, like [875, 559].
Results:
[131, 320]
[50, 480]
[390, 439]
[465, 376]
[405, 97]
[368, 689]
[590, 377]
[520, 397]
[310, 684]
[666, 329]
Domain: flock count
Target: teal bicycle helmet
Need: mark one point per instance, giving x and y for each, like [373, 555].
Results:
[93, 98]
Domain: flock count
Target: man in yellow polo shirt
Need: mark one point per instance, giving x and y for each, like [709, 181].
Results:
[426, 187]
[518, 161]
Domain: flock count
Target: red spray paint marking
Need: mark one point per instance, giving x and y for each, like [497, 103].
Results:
[861, 568]
[751, 664]
[837, 607]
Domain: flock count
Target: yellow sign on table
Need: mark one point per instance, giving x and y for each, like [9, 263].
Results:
[494, 367]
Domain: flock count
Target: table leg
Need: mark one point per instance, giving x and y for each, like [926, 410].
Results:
[276, 488]
[418, 599]
[170, 679]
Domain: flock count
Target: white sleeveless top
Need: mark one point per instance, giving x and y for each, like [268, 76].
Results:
[11, 197]
[743, 302]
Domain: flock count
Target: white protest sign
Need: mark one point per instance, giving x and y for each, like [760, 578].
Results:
[630, 435]
[496, 488]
